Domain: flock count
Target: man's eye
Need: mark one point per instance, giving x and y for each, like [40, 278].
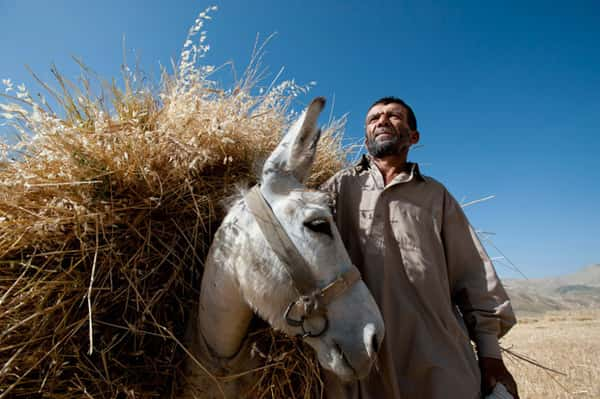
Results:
[321, 226]
[372, 118]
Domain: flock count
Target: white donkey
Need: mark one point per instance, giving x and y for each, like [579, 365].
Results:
[278, 254]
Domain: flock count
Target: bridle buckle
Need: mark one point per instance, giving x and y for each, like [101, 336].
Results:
[308, 307]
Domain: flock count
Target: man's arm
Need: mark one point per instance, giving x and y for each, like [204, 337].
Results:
[479, 295]
[494, 371]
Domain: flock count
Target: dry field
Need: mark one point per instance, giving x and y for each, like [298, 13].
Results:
[566, 341]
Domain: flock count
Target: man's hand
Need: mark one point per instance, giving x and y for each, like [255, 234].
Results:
[494, 371]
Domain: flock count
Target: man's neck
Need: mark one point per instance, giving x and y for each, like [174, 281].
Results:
[391, 166]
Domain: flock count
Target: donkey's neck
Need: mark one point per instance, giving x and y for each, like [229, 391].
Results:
[224, 316]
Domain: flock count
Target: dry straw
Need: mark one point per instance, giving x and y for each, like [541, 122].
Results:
[107, 207]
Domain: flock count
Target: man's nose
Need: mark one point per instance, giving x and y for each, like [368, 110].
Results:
[383, 120]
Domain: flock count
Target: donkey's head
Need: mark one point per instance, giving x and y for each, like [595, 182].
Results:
[306, 284]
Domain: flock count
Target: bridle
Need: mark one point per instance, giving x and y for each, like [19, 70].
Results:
[312, 300]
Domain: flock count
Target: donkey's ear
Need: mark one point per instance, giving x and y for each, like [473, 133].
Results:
[296, 151]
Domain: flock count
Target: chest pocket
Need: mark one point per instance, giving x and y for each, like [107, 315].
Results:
[413, 226]
[417, 232]
[370, 220]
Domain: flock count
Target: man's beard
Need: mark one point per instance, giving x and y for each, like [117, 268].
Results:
[379, 149]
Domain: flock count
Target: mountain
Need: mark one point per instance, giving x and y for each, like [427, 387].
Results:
[571, 291]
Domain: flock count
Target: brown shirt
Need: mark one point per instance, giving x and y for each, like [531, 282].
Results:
[431, 278]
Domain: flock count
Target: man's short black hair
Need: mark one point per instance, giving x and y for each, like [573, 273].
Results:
[410, 118]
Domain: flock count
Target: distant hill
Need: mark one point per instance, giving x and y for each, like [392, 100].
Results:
[571, 291]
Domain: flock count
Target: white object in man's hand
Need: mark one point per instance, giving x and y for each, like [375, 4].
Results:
[499, 392]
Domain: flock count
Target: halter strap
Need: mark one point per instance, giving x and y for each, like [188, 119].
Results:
[280, 242]
[339, 285]
[311, 299]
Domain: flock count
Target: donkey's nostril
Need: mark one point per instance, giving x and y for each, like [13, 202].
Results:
[370, 339]
[375, 343]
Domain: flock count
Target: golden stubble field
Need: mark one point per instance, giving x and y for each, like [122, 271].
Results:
[567, 341]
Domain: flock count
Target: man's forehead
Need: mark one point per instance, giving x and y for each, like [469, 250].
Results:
[378, 108]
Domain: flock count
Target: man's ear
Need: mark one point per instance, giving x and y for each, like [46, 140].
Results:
[414, 137]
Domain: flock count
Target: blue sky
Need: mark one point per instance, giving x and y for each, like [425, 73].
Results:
[507, 95]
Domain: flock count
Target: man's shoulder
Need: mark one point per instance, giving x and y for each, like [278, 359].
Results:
[352, 170]
[347, 178]
[438, 190]
[433, 187]
[349, 171]
[340, 178]
[434, 183]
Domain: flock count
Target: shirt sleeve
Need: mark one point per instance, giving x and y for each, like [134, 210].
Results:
[475, 287]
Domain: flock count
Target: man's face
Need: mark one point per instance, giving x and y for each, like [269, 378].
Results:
[388, 133]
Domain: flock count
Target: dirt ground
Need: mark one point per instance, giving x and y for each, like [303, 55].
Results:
[567, 341]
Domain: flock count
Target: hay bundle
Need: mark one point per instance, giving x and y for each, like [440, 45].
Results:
[106, 216]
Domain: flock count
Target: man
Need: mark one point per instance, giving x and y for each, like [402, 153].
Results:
[427, 270]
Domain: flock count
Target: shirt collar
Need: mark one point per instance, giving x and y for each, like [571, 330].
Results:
[366, 162]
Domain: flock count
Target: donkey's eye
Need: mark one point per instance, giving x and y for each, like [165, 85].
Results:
[319, 226]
